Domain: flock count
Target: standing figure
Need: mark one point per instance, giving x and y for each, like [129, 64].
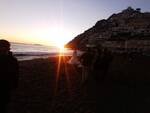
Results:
[97, 63]
[101, 64]
[86, 61]
[107, 59]
[74, 59]
[8, 74]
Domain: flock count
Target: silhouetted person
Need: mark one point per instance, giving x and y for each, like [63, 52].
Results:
[97, 64]
[86, 61]
[8, 74]
[74, 59]
[102, 60]
[106, 58]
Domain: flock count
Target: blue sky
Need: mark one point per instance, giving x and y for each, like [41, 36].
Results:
[56, 21]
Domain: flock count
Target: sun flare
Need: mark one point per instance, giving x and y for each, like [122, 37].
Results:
[61, 51]
[57, 36]
[59, 45]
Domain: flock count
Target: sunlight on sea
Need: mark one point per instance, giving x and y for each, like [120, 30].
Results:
[32, 51]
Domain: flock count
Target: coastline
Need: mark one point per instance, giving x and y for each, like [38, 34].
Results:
[32, 56]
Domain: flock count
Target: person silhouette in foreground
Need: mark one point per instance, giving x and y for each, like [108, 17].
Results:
[8, 74]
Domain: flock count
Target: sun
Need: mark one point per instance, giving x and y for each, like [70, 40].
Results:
[56, 36]
[59, 37]
[60, 45]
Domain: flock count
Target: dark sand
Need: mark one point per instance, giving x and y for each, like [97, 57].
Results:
[126, 88]
[40, 91]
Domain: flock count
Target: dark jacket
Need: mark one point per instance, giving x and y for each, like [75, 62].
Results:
[86, 59]
[9, 70]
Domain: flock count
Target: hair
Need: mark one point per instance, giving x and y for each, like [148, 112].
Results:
[4, 43]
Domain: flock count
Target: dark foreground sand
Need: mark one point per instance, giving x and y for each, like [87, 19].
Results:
[126, 88]
[40, 91]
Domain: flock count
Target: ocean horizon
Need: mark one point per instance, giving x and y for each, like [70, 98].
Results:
[24, 51]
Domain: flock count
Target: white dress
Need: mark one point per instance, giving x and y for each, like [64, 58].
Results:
[74, 59]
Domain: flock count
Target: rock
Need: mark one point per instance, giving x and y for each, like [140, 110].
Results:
[130, 24]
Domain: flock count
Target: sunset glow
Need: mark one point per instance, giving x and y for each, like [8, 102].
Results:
[54, 35]
[57, 22]
[60, 37]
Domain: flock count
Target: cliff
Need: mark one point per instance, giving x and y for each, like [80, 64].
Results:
[130, 24]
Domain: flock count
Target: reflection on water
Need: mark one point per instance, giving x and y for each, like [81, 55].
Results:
[32, 51]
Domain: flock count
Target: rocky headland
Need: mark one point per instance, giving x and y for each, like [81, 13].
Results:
[129, 29]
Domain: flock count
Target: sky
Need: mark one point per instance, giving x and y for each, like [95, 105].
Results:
[55, 22]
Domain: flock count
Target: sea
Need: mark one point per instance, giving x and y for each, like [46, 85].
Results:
[33, 51]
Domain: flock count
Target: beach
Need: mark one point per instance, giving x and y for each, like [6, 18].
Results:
[42, 89]
[40, 92]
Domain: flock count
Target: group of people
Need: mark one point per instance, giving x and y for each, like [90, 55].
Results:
[9, 70]
[95, 62]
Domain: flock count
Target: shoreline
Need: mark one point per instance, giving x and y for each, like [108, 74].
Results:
[37, 55]
[32, 57]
